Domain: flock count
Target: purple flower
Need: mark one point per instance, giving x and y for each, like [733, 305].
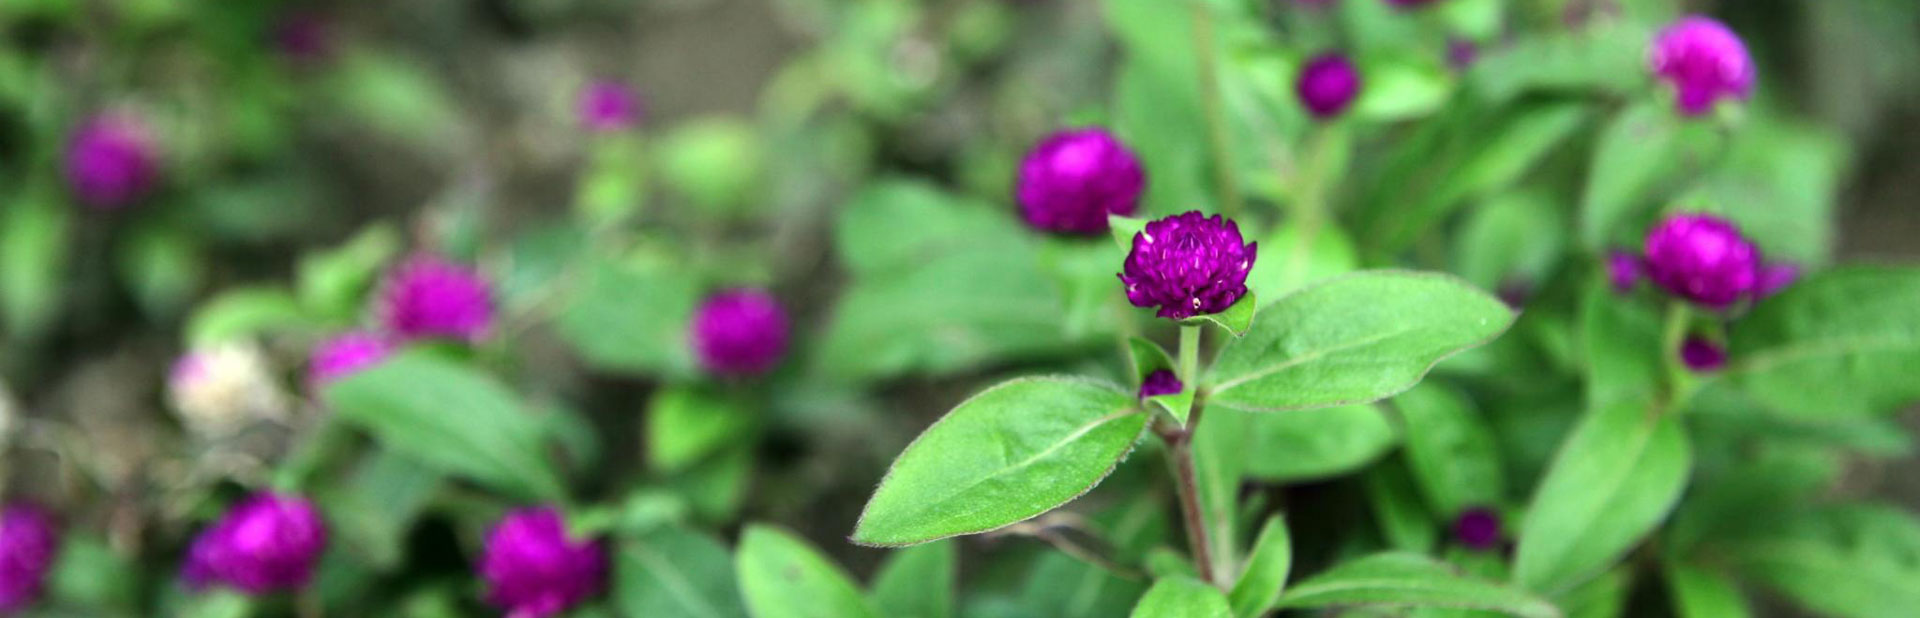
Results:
[609, 106]
[1072, 180]
[1327, 85]
[1160, 382]
[304, 37]
[1461, 53]
[1477, 528]
[1624, 270]
[739, 332]
[1704, 61]
[531, 568]
[343, 355]
[1702, 258]
[430, 297]
[1701, 355]
[269, 542]
[112, 160]
[28, 545]
[1188, 264]
[1776, 277]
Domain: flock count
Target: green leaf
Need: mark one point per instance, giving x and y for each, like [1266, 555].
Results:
[243, 312]
[673, 571]
[1403, 516]
[162, 266]
[1410, 580]
[34, 236]
[1840, 343]
[452, 418]
[1613, 481]
[1857, 561]
[1259, 586]
[1124, 229]
[1312, 444]
[1014, 451]
[372, 511]
[334, 282]
[1622, 341]
[1702, 593]
[1514, 236]
[1182, 597]
[1149, 357]
[631, 315]
[1641, 150]
[1236, 318]
[714, 162]
[784, 577]
[686, 424]
[1402, 89]
[1354, 339]
[1219, 447]
[918, 581]
[91, 574]
[1451, 450]
[1291, 257]
[716, 487]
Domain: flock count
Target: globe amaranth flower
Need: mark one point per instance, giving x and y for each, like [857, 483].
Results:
[1703, 259]
[1477, 528]
[112, 160]
[531, 568]
[1624, 270]
[1160, 382]
[1072, 180]
[1776, 277]
[1703, 61]
[739, 332]
[268, 542]
[343, 355]
[428, 297]
[1187, 265]
[1702, 355]
[28, 545]
[1328, 85]
[609, 106]
[220, 389]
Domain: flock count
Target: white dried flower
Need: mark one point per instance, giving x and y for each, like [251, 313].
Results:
[222, 389]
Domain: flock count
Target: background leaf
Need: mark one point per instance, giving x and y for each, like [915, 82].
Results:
[918, 581]
[783, 577]
[1840, 343]
[1409, 580]
[1260, 583]
[1182, 597]
[673, 571]
[1450, 449]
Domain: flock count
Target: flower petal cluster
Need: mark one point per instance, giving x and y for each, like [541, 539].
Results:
[1187, 265]
[1327, 85]
[430, 297]
[28, 545]
[531, 568]
[739, 332]
[1704, 62]
[1072, 180]
[269, 542]
[112, 160]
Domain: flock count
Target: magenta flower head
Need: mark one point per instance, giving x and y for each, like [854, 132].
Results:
[1160, 382]
[739, 332]
[1701, 355]
[1188, 264]
[1327, 85]
[531, 568]
[28, 545]
[343, 355]
[112, 160]
[429, 297]
[1624, 270]
[609, 106]
[1702, 258]
[1703, 61]
[1072, 180]
[269, 542]
[1477, 528]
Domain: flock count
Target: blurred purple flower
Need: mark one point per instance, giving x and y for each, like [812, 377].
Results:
[343, 355]
[1702, 355]
[1188, 264]
[1624, 270]
[1776, 277]
[1160, 382]
[1327, 85]
[112, 160]
[1461, 53]
[269, 542]
[28, 545]
[531, 568]
[304, 37]
[1477, 528]
[1703, 61]
[609, 106]
[1072, 180]
[739, 332]
[430, 297]
[1703, 259]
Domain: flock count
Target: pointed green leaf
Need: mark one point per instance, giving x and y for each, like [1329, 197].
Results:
[1703, 593]
[1259, 587]
[1014, 451]
[1149, 357]
[782, 576]
[1182, 597]
[1124, 228]
[1855, 560]
[1840, 343]
[673, 571]
[1236, 318]
[1312, 444]
[1411, 580]
[685, 424]
[918, 581]
[1450, 449]
[1353, 339]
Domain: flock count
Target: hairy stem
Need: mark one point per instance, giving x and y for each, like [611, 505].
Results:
[1190, 356]
[1211, 107]
[1180, 455]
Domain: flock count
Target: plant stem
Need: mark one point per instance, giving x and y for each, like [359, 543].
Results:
[1180, 455]
[1190, 356]
[1210, 105]
[1680, 380]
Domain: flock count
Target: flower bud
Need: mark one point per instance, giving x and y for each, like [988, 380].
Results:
[28, 545]
[609, 106]
[112, 160]
[1703, 62]
[1703, 259]
[531, 568]
[1702, 355]
[269, 542]
[1623, 270]
[1477, 528]
[1187, 265]
[1327, 85]
[428, 297]
[739, 332]
[1160, 382]
[344, 355]
[1072, 180]
[219, 390]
